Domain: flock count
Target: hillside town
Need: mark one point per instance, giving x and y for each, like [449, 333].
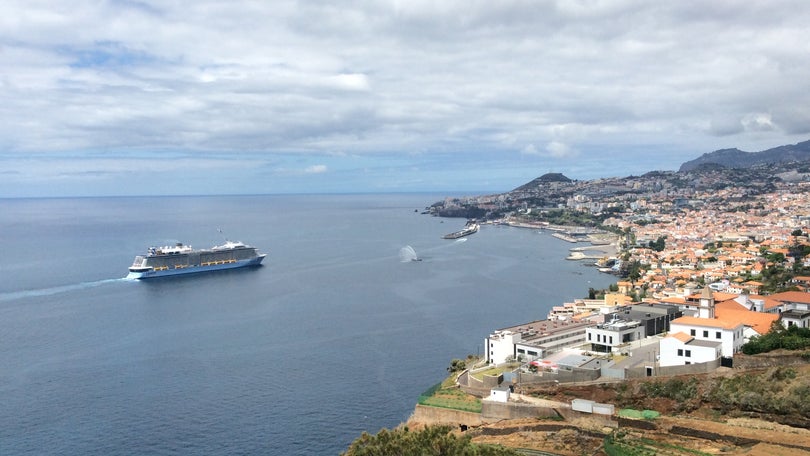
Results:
[701, 346]
[707, 261]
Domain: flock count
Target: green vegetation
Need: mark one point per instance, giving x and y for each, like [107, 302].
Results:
[779, 390]
[495, 371]
[793, 338]
[456, 365]
[639, 414]
[447, 395]
[622, 444]
[659, 244]
[433, 440]
[674, 388]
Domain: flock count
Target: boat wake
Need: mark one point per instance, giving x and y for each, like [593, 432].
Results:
[57, 290]
[407, 254]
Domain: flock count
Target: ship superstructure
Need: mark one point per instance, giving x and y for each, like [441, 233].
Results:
[183, 259]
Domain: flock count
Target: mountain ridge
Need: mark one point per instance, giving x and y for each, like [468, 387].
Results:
[736, 158]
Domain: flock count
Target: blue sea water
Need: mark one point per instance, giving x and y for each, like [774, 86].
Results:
[333, 336]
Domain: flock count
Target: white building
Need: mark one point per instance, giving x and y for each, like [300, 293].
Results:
[796, 317]
[606, 337]
[680, 349]
[533, 340]
[707, 327]
[500, 394]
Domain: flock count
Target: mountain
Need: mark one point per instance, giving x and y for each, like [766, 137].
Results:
[543, 181]
[735, 158]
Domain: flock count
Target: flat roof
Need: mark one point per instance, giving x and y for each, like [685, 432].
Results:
[704, 343]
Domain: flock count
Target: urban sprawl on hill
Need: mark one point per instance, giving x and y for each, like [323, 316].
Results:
[701, 346]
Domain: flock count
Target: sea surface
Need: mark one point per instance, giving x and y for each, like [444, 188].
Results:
[334, 335]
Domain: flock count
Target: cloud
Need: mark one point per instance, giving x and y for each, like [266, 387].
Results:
[316, 169]
[758, 122]
[559, 150]
[398, 79]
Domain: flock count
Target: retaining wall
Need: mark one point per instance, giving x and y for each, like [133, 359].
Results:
[437, 415]
[512, 410]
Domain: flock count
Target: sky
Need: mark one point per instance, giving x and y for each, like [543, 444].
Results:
[169, 97]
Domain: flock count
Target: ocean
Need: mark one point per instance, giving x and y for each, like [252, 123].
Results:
[334, 335]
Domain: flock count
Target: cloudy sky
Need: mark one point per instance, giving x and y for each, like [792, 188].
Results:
[131, 97]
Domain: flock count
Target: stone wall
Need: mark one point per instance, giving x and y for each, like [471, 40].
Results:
[766, 360]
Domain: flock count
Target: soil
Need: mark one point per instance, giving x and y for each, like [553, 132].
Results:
[684, 427]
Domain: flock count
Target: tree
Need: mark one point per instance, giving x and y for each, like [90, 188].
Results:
[456, 365]
[659, 244]
[432, 440]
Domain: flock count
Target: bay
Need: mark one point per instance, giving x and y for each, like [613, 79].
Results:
[333, 336]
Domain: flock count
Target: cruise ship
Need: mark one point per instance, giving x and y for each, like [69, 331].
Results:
[182, 259]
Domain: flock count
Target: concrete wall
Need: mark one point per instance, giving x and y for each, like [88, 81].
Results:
[702, 368]
[437, 415]
[513, 410]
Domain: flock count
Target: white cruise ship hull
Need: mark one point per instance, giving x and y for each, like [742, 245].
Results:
[152, 273]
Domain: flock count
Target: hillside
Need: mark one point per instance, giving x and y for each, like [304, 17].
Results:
[753, 411]
[735, 158]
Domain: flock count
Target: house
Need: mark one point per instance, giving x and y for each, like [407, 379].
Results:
[796, 317]
[790, 300]
[707, 327]
[681, 349]
[756, 323]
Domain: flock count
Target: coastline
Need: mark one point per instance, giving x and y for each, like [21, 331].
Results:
[602, 244]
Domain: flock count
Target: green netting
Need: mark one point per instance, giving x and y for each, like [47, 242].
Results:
[639, 414]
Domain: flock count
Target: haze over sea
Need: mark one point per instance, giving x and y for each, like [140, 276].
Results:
[333, 336]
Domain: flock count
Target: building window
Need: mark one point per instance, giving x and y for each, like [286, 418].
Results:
[717, 335]
[680, 352]
[611, 340]
[589, 336]
[532, 353]
[705, 333]
[688, 353]
[522, 351]
[691, 332]
[688, 362]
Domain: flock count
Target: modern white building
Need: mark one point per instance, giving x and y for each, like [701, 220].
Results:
[534, 340]
[631, 323]
[608, 336]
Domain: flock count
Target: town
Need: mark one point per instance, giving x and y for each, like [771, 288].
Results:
[708, 261]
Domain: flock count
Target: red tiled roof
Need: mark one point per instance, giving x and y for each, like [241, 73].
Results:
[792, 296]
[682, 336]
[707, 322]
[733, 311]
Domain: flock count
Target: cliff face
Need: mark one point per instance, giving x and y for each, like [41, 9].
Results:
[735, 158]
